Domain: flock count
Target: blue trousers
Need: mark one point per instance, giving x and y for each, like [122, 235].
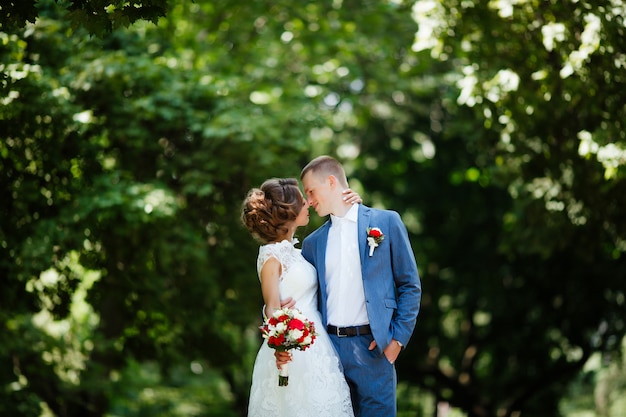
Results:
[372, 379]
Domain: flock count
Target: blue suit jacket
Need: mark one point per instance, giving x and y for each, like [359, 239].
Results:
[390, 278]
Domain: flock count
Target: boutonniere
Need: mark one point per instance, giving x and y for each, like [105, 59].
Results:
[374, 237]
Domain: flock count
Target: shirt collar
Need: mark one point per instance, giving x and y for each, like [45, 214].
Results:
[351, 215]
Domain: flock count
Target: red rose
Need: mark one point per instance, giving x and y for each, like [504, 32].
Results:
[295, 324]
[375, 233]
[276, 340]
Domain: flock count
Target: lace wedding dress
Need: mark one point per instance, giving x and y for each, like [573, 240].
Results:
[316, 387]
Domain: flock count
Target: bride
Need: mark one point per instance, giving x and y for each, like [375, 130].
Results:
[317, 387]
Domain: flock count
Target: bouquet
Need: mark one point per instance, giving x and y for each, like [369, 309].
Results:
[288, 329]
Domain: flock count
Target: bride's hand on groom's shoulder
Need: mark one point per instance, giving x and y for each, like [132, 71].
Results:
[350, 196]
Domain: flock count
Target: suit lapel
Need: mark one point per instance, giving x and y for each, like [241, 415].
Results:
[320, 265]
[362, 225]
[321, 257]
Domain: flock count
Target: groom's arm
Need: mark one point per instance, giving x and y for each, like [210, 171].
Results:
[407, 281]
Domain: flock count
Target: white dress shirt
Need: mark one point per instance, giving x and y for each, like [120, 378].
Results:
[344, 281]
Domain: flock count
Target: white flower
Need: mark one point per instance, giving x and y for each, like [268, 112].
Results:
[373, 245]
[295, 334]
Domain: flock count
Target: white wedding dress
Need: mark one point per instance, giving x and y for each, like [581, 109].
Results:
[317, 387]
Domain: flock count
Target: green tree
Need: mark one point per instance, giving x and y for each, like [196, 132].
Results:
[99, 17]
[110, 162]
[524, 190]
[128, 155]
[125, 158]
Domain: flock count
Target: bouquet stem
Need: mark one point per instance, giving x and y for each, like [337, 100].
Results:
[283, 375]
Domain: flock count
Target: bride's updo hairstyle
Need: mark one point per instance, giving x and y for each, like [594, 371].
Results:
[267, 211]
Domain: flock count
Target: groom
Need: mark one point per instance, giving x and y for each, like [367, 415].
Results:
[369, 294]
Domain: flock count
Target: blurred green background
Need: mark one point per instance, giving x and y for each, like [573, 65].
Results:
[131, 131]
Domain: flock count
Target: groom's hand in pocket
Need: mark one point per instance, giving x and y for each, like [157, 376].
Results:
[392, 351]
[372, 345]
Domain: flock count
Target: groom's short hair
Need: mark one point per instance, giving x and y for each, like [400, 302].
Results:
[326, 165]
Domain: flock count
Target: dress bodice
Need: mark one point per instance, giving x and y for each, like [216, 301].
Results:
[298, 278]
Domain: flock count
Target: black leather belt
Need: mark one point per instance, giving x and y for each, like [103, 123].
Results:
[349, 331]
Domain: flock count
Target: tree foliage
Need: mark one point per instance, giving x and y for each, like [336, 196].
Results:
[531, 279]
[125, 157]
[99, 17]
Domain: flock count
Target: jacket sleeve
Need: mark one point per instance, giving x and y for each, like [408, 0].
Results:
[407, 281]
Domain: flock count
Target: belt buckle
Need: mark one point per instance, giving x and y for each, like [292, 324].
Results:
[339, 334]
